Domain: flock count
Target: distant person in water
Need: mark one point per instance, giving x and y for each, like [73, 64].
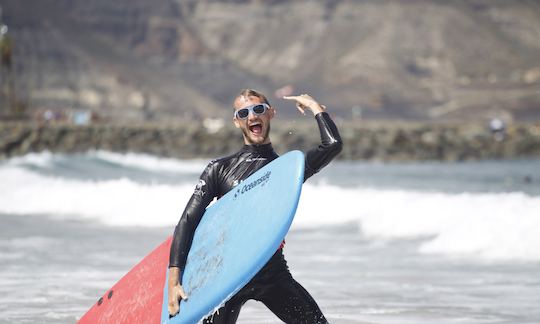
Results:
[273, 285]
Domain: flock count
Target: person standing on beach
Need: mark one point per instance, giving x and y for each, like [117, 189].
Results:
[273, 285]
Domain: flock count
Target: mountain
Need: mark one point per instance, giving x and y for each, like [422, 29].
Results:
[428, 60]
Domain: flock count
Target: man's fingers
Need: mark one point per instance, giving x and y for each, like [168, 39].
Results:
[291, 97]
[182, 293]
[300, 102]
[298, 98]
[178, 294]
[306, 102]
[174, 307]
[304, 99]
[301, 108]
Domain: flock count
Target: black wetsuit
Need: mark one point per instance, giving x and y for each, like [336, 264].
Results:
[273, 284]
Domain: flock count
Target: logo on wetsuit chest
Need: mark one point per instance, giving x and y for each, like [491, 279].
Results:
[256, 159]
[259, 182]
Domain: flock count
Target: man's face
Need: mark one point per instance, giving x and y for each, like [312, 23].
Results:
[255, 128]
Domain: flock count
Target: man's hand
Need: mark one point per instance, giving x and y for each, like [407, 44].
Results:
[176, 292]
[304, 102]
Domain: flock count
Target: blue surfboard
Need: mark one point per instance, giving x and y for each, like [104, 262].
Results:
[237, 236]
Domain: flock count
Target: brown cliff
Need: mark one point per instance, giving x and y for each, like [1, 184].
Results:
[417, 60]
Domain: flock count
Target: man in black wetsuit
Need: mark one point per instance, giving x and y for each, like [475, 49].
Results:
[273, 285]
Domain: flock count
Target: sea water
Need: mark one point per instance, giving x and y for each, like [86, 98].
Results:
[372, 242]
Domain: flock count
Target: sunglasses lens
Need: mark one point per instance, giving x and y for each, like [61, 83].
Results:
[259, 109]
[242, 113]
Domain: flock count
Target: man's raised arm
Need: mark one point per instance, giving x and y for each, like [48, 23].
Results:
[331, 143]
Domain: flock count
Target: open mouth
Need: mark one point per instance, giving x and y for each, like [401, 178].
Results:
[256, 128]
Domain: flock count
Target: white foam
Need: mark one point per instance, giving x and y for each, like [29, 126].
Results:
[494, 226]
[132, 160]
[42, 159]
[113, 202]
[488, 226]
[151, 163]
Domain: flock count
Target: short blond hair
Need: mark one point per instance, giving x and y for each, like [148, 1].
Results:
[246, 93]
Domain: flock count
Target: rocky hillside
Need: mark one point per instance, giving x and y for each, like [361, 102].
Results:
[166, 59]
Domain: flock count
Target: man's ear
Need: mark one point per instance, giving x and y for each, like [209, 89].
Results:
[272, 111]
[236, 123]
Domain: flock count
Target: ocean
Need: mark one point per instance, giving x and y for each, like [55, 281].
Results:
[373, 242]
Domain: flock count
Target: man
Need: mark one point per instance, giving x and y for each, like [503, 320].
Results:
[273, 285]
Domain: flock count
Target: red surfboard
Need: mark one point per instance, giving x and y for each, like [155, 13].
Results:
[140, 289]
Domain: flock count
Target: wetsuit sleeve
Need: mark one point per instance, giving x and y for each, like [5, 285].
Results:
[330, 146]
[204, 193]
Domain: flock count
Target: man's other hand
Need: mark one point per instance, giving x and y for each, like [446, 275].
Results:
[304, 102]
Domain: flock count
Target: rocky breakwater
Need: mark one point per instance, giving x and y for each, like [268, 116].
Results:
[444, 142]
[372, 141]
